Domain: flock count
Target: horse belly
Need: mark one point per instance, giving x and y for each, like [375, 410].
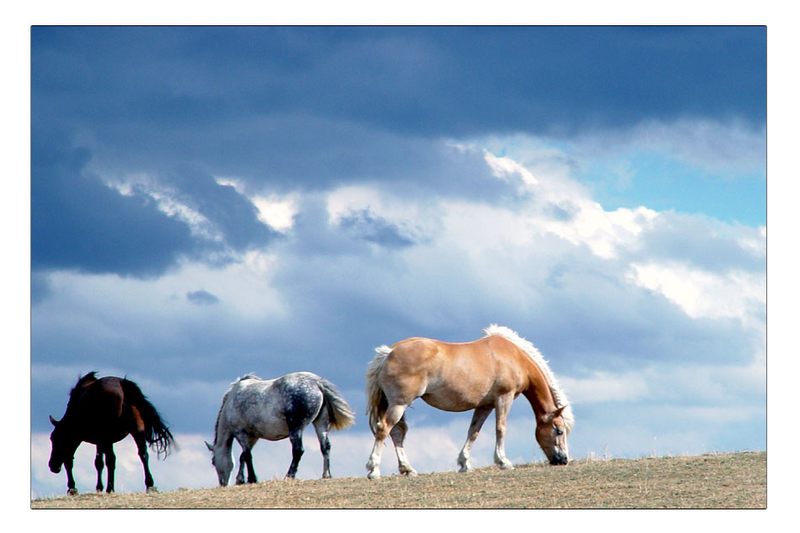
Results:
[274, 429]
[446, 397]
[267, 423]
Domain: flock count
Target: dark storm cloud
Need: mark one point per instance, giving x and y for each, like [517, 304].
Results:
[441, 81]
[231, 213]
[79, 223]
[311, 106]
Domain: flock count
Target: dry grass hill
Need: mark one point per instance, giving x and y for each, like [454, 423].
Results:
[717, 481]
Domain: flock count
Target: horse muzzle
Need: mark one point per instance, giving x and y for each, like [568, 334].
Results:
[559, 459]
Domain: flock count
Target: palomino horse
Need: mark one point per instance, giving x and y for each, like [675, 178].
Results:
[485, 374]
[274, 409]
[104, 411]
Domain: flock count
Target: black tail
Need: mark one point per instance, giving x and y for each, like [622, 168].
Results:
[156, 432]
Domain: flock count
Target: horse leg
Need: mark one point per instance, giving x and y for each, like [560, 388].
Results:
[246, 460]
[322, 425]
[296, 438]
[398, 434]
[144, 457]
[98, 465]
[111, 463]
[478, 418]
[392, 415]
[502, 407]
[247, 457]
[243, 458]
[71, 490]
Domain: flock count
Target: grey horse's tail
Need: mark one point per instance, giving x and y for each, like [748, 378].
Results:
[376, 399]
[339, 411]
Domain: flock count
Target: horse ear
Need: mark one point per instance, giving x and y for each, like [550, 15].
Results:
[53, 421]
[559, 411]
[210, 447]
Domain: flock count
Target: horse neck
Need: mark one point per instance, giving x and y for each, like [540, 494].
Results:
[538, 391]
[223, 435]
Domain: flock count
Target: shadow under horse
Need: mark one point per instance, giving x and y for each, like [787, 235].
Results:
[102, 412]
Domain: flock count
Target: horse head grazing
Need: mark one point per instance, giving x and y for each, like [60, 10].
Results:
[222, 462]
[552, 430]
[58, 446]
[63, 444]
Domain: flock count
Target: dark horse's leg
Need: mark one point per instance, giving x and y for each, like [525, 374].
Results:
[71, 490]
[111, 463]
[144, 457]
[98, 465]
[246, 460]
[296, 438]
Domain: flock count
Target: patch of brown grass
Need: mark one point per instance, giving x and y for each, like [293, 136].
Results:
[699, 482]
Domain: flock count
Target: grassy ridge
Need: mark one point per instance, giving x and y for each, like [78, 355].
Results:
[718, 481]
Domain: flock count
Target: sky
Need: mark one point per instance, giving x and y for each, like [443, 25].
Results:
[209, 202]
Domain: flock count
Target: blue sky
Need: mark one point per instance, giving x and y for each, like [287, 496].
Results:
[207, 202]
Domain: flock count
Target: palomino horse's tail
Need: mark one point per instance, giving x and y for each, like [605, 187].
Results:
[376, 399]
[156, 432]
[340, 413]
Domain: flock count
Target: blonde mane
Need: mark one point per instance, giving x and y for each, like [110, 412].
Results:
[559, 396]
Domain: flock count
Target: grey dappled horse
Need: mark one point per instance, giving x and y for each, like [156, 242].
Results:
[274, 409]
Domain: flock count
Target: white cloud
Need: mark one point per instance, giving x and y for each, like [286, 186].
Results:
[701, 294]
[604, 232]
[505, 168]
[560, 205]
[276, 212]
[273, 210]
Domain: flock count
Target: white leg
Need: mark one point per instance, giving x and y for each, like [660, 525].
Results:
[502, 406]
[374, 462]
[390, 418]
[478, 418]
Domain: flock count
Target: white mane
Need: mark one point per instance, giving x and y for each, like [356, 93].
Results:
[559, 396]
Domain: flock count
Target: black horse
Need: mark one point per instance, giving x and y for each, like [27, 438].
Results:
[104, 411]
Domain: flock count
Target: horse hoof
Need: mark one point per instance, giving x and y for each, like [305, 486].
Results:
[464, 469]
[72, 492]
[506, 466]
[409, 473]
[374, 474]
[151, 490]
